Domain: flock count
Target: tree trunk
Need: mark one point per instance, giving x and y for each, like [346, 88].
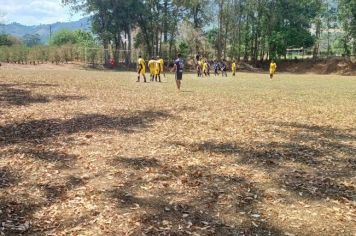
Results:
[317, 37]
[196, 24]
[239, 33]
[129, 55]
[226, 36]
[221, 2]
[262, 51]
[246, 43]
[165, 21]
[106, 51]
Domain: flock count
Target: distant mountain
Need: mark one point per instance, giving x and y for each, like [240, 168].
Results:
[19, 30]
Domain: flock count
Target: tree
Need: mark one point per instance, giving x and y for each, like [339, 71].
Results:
[198, 13]
[63, 37]
[347, 19]
[31, 40]
[4, 40]
[84, 38]
[188, 35]
[8, 40]
[256, 30]
[221, 18]
[110, 19]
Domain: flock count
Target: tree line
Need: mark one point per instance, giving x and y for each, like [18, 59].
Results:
[64, 46]
[251, 30]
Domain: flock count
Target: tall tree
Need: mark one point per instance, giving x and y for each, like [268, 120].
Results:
[347, 18]
[31, 39]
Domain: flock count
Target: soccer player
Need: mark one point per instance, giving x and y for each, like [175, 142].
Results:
[272, 69]
[141, 69]
[200, 68]
[161, 63]
[205, 68]
[216, 68]
[178, 68]
[157, 70]
[151, 67]
[233, 68]
[208, 68]
[223, 68]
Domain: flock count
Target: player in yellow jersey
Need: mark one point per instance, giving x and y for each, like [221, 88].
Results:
[157, 70]
[152, 67]
[161, 63]
[272, 69]
[141, 69]
[205, 68]
[233, 68]
[199, 68]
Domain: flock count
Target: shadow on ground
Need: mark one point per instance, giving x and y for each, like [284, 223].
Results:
[323, 153]
[208, 206]
[33, 139]
[62, 159]
[7, 177]
[136, 163]
[15, 214]
[22, 95]
[39, 131]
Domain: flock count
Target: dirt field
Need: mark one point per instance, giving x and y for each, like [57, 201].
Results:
[95, 153]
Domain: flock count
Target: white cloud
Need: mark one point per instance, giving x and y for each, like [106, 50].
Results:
[33, 12]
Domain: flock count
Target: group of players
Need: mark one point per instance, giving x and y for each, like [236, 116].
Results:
[204, 66]
[155, 66]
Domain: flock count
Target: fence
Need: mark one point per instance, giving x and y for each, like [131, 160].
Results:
[20, 54]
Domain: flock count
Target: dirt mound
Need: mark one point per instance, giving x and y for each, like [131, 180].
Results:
[330, 66]
[347, 68]
[248, 67]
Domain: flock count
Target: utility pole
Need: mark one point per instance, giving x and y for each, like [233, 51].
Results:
[50, 31]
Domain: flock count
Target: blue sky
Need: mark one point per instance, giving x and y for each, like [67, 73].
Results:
[34, 12]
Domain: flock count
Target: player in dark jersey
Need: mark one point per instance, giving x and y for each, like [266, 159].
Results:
[178, 68]
[216, 68]
[198, 65]
[208, 68]
[223, 68]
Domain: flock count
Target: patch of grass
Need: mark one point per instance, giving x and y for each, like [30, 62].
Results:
[89, 152]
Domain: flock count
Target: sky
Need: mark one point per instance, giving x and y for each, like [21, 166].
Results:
[35, 12]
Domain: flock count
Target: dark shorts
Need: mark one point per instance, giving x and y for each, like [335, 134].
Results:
[179, 76]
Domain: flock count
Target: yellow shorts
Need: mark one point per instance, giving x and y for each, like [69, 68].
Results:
[142, 71]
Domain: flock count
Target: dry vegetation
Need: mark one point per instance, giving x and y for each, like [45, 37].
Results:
[94, 153]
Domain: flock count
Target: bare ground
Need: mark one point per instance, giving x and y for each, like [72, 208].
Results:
[94, 153]
[338, 66]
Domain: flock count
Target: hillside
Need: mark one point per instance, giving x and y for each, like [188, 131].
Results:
[43, 30]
